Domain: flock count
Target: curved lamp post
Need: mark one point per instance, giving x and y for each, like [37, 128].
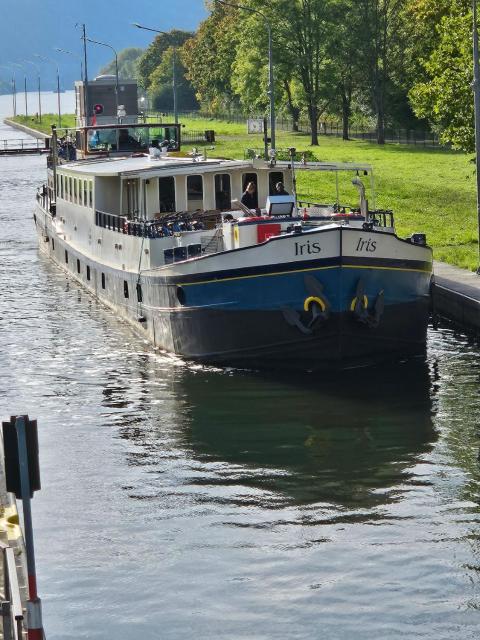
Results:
[14, 88]
[271, 87]
[45, 59]
[21, 66]
[75, 55]
[104, 44]
[39, 90]
[175, 102]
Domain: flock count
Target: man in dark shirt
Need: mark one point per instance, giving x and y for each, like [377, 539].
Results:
[280, 190]
[250, 196]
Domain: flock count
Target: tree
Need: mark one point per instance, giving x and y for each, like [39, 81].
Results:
[379, 47]
[152, 57]
[209, 57]
[127, 63]
[161, 84]
[445, 96]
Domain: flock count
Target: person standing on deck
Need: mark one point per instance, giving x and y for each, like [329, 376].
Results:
[250, 196]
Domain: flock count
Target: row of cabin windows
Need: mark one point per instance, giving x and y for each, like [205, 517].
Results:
[223, 190]
[75, 190]
[104, 283]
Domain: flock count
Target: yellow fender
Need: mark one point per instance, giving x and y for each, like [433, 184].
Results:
[310, 300]
[354, 303]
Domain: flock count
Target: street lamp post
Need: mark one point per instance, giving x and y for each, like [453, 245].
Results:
[39, 90]
[104, 44]
[476, 93]
[14, 88]
[45, 59]
[271, 86]
[75, 55]
[16, 64]
[174, 81]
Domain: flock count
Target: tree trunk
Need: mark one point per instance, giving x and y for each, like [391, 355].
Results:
[313, 116]
[380, 105]
[294, 111]
[346, 111]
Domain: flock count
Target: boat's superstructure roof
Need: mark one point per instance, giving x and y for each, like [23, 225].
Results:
[144, 167]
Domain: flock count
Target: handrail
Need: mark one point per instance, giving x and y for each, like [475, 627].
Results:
[17, 610]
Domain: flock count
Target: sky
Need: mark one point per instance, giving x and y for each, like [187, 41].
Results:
[30, 27]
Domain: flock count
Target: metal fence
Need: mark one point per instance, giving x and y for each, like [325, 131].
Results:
[415, 137]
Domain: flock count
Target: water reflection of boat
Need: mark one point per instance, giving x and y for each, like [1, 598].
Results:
[346, 442]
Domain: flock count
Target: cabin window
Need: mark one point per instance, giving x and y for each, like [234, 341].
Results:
[70, 189]
[103, 281]
[125, 289]
[139, 292]
[194, 192]
[53, 244]
[75, 190]
[90, 193]
[61, 186]
[78, 265]
[88, 272]
[273, 178]
[166, 191]
[66, 256]
[223, 192]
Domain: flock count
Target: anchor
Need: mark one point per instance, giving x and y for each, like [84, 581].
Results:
[316, 305]
[359, 307]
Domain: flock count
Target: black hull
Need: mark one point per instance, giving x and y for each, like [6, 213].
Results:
[264, 340]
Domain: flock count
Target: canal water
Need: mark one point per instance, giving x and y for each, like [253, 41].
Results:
[181, 501]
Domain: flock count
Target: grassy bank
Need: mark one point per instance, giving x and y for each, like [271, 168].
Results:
[68, 121]
[429, 190]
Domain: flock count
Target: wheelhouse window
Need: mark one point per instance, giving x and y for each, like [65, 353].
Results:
[194, 192]
[273, 179]
[166, 192]
[223, 192]
[249, 177]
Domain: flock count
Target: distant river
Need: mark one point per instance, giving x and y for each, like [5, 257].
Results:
[185, 502]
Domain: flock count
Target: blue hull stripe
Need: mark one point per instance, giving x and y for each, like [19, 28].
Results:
[290, 288]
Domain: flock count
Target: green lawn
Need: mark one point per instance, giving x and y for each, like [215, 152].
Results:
[432, 191]
[68, 121]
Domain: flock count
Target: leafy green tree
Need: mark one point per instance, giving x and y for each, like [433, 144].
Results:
[127, 63]
[153, 55]
[379, 50]
[445, 96]
[161, 84]
[209, 58]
